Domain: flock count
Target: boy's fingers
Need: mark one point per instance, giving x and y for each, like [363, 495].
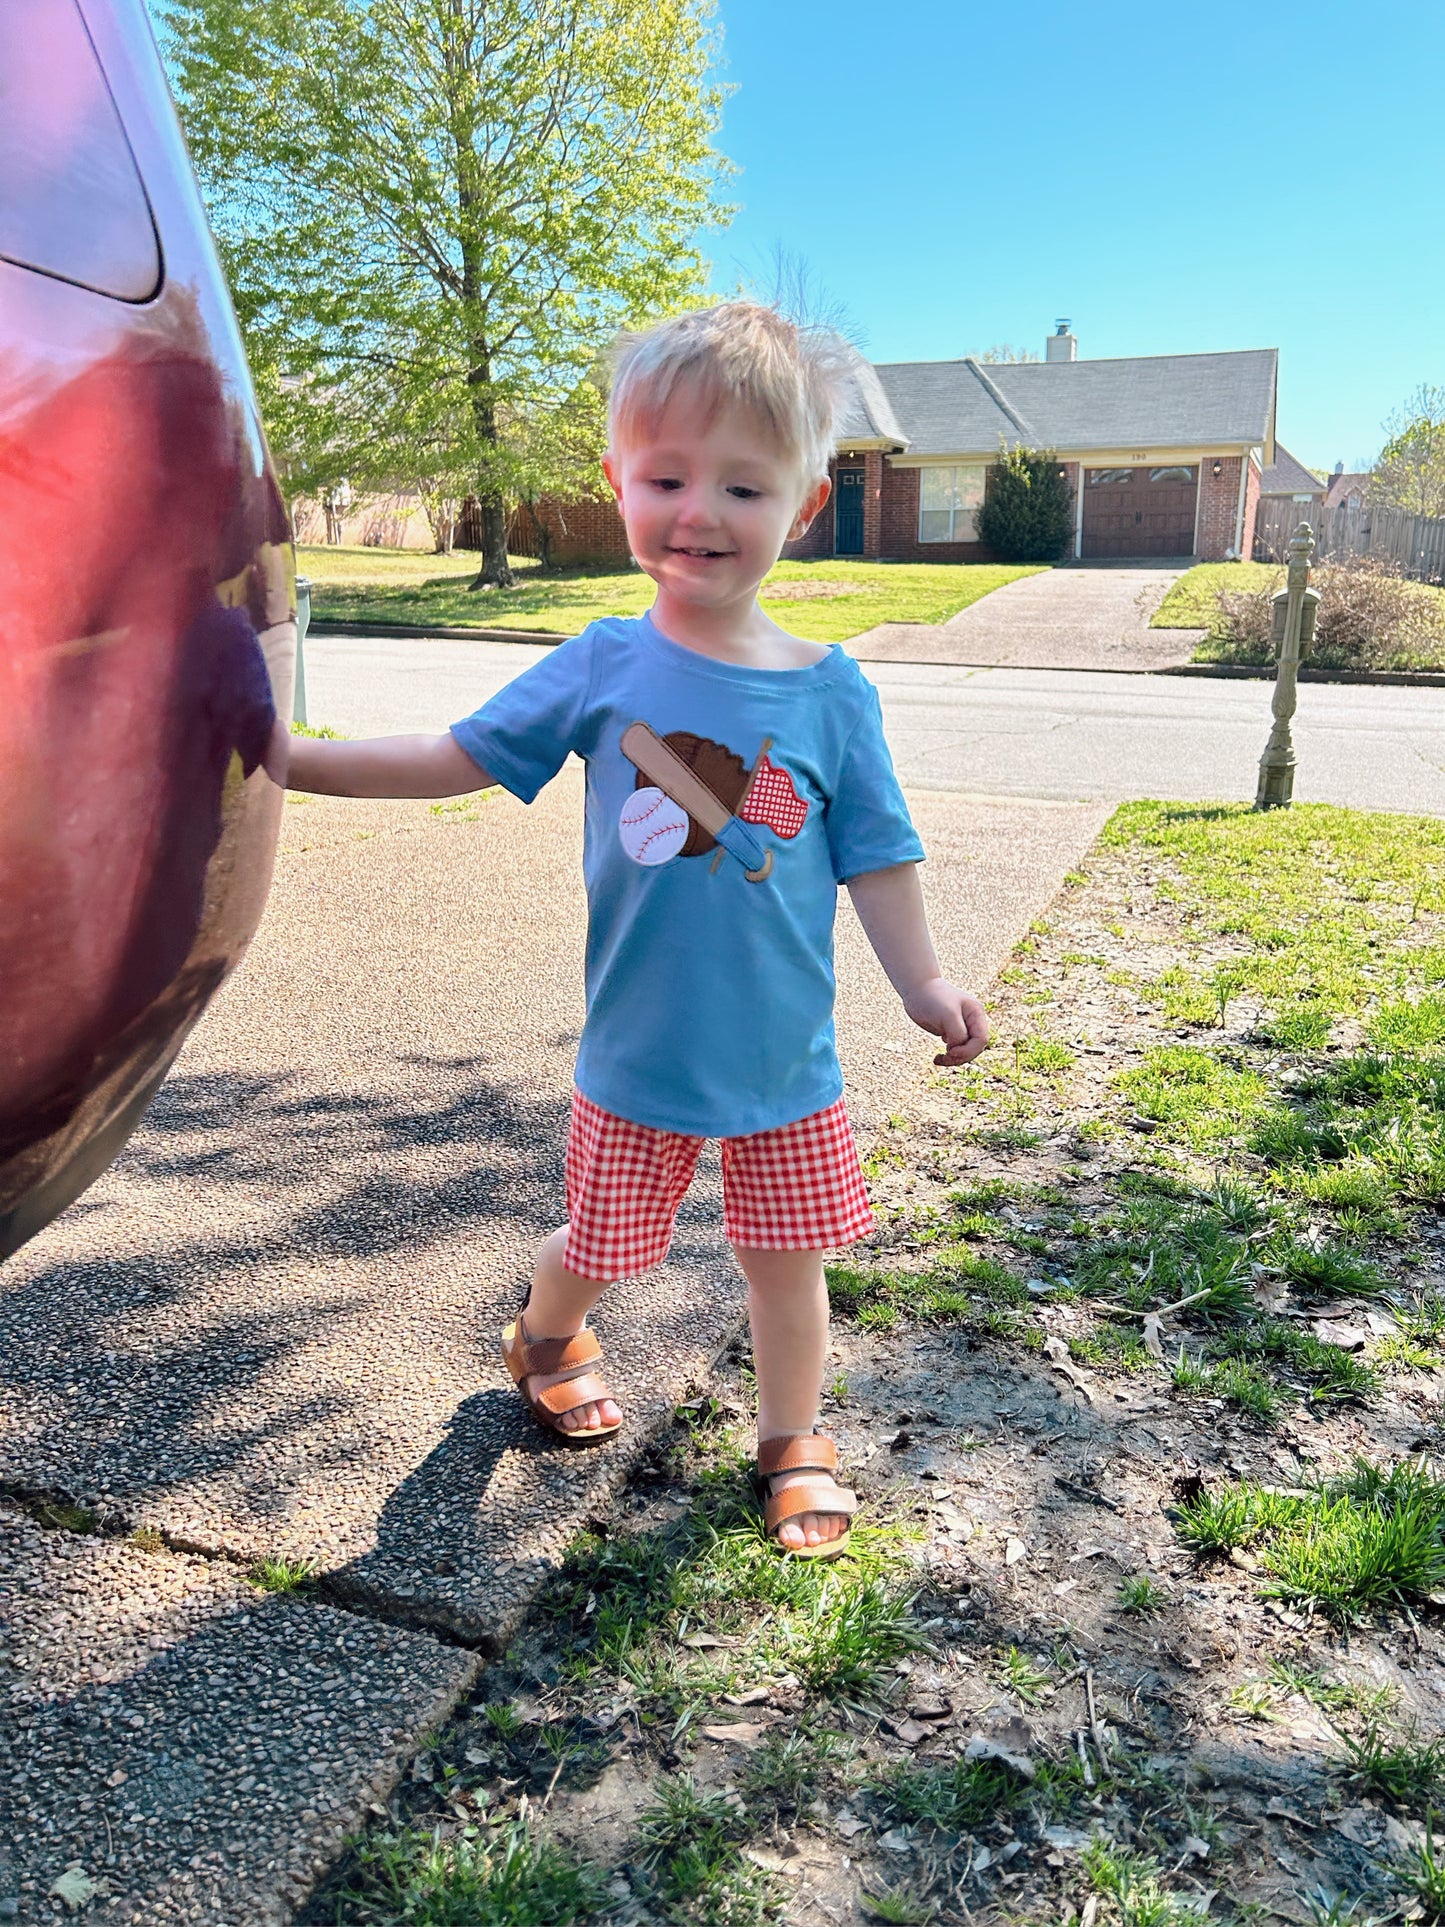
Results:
[965, 1036]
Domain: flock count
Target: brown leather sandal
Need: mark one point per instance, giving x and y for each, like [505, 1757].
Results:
[815, 1453]
[574, 1356]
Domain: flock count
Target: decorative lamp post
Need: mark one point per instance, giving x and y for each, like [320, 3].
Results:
[1292, 628]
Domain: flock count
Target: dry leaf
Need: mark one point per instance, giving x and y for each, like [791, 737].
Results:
[980, 1747]
[75, 1887]
[930, 1706]
[1338, 1331]
[1014, 1551]
[1153, 1336]
[754, 1696]
[737, 1733]
[911, 1732]
[704, 1642]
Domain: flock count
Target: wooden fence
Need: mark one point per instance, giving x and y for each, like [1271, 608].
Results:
[1415, 542]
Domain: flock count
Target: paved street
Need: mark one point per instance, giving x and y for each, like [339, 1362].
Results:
[1068, 735]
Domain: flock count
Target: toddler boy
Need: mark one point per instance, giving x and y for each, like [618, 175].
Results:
[735, 777]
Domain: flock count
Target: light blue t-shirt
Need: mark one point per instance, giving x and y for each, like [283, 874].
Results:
[709, 986]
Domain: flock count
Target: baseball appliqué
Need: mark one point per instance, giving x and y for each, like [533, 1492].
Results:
[653, 828]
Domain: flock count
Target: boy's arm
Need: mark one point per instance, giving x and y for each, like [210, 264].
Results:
[384, 766]
[890, 908]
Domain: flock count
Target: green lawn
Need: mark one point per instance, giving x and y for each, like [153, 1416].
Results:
[820, 601]
[1190, 603]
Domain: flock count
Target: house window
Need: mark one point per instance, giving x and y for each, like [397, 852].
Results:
[1109, 477]
[948, 499]
[1171, 475]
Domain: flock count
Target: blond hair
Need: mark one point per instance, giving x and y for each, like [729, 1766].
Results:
[791, 379]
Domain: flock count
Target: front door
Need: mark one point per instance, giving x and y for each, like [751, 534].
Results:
[848, 513]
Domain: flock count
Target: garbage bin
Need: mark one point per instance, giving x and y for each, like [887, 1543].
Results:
[303, 622]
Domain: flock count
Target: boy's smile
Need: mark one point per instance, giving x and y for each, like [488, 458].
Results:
[709, 502]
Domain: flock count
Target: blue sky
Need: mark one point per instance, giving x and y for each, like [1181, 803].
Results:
[1175, 178]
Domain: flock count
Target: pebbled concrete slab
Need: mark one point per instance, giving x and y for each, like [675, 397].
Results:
[1066, 618]
[272, 1326]
[196, 1749]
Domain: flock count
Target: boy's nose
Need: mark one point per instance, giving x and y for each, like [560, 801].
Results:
[695, 509]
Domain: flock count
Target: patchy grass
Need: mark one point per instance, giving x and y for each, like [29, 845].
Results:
[825, 601]
[1191, 603]
[1349, 1547]
[1396, 1766]
[283, 1575]
[482, 1877]
[1135, 1884]
[833, 1626]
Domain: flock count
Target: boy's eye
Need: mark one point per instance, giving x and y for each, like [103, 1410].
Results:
[666, 481]
[745, 494]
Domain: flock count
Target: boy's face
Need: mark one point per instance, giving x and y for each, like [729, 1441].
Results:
[709, 503]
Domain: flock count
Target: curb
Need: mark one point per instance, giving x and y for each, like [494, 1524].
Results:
[1223, 671]
[327, 626]
[1390, 678]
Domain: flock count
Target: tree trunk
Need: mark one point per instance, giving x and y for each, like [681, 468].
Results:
[496, 571]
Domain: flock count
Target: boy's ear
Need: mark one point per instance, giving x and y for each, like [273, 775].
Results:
[610, 470]
[812, 502]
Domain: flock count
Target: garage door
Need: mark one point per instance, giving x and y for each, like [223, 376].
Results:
[1139, 511]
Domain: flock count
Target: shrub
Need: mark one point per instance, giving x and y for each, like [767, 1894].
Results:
[1028, 512]
[1370, 617]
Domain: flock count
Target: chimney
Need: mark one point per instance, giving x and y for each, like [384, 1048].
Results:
[1061, 345]
[1339, 468]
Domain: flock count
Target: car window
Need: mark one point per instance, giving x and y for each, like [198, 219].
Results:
[71, 199]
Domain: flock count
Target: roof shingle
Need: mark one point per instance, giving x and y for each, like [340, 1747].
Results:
[1286, 476]
[1159, 401]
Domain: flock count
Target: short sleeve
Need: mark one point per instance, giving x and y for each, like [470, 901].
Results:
[526, 732]
[867, 820]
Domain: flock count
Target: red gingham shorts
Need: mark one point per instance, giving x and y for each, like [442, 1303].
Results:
[798, 1188]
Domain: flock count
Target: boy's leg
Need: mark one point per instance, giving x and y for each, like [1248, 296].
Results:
[557, 1307]
[788, 1313]
[789, 1195]
[624, 1184]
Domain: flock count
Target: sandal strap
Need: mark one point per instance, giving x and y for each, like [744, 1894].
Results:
[809, 1495]
[561, 1398]
[814, 1452]
[547, 1355]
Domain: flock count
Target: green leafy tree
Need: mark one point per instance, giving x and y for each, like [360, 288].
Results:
[1028, 511]
[1410, 473]
[436, 213]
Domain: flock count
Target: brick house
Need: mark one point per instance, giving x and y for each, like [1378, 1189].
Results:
[1165, 454]
[1287, 480]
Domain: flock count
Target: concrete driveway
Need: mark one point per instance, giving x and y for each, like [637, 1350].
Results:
[1066, 618]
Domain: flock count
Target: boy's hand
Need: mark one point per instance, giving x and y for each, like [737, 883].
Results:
[950, 1013]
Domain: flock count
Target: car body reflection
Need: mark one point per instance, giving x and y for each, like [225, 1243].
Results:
[147, 594]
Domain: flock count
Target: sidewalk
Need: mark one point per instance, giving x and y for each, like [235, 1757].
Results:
[271, 1331]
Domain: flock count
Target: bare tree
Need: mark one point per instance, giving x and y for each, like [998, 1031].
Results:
[1410, 473]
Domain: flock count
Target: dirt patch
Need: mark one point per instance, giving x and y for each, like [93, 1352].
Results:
[812, 591]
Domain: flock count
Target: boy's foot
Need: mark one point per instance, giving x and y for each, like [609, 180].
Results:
[554, 1378]
[807, 1513]
[809, 1528]
[601, 1409]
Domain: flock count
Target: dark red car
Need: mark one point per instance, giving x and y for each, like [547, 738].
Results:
[147, 602]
